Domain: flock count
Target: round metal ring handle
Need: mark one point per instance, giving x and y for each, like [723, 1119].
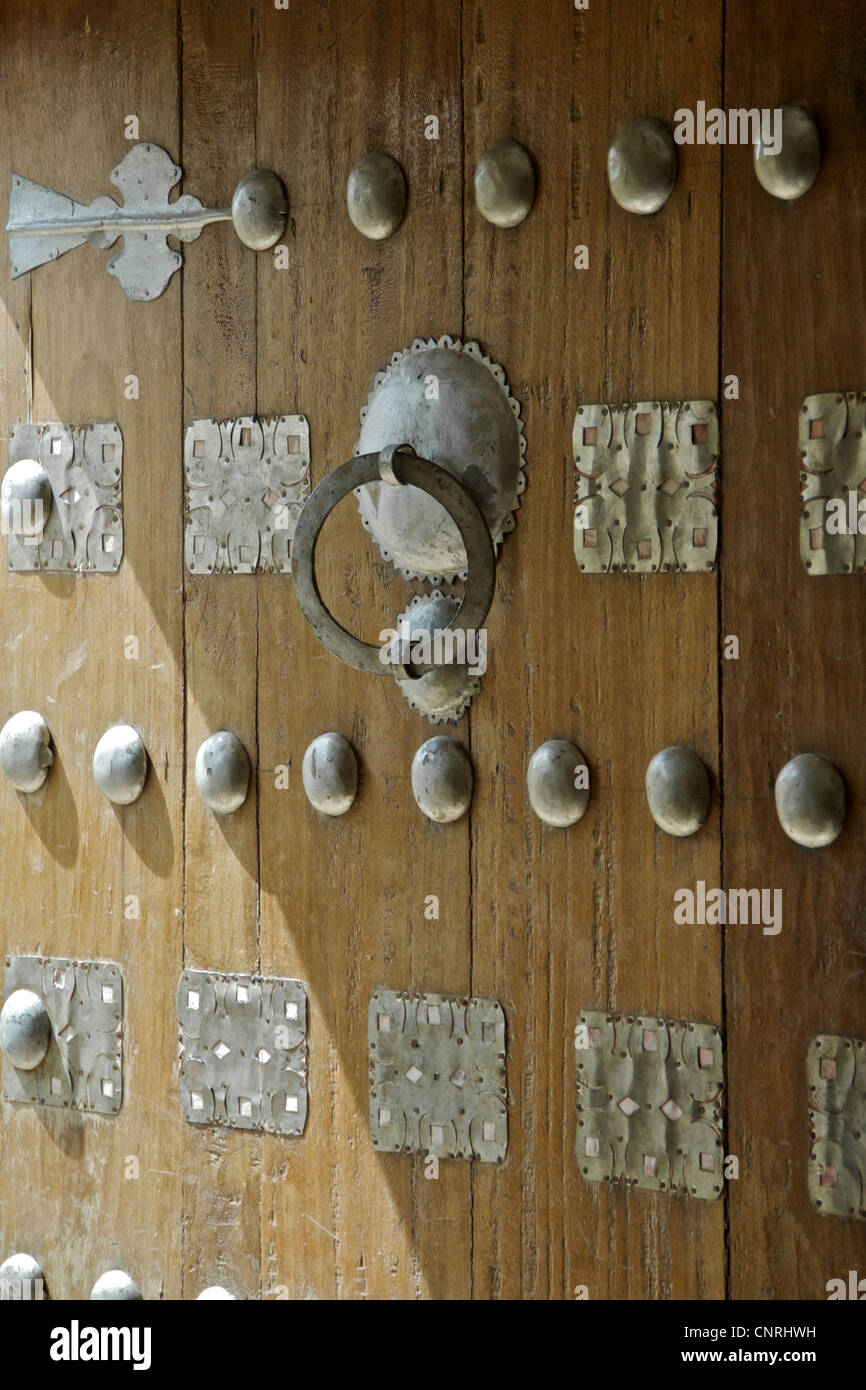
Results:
[398, 465]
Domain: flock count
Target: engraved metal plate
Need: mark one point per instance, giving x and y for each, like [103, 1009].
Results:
[84, 529]
[242, 1042]
[649, 1103]
[83, 1068]
[836, 1074]
[437, 1075]
[646, 478]
[246, 481]
[833, 482]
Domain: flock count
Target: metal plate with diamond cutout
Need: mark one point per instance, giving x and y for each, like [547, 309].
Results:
[836, 1074]
[649, 1103]
[83, 532]
[646, 478]
[833, 483]
[246, 481]
[242, 1041]
[83, 1068]
[437, 1075]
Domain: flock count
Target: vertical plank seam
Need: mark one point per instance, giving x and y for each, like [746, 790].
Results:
[255, 18]
[183, 664]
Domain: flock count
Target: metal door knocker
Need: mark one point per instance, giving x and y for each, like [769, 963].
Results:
[438, 473]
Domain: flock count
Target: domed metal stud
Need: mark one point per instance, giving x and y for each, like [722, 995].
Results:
[259, 209]
[791, 171]
[26, 499]
[18, 1276]
[120, 764]
[25, 750]
[642, 165]
[116, 1286]
[442, 779]
[330, 773]
[557, 782]
[443, 695]
[678, 791]
[25, 1030]
[222, 772]
[216, 1291]
[810, 800]
[505, 184]
[376, 196]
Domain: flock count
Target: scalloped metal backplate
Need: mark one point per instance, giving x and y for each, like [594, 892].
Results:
[649, 1103]
[84, 464]
[442, 696]
[246, 481]
[836, 1075]
[83, 1068]
[833, 468]
[453, 404]
[646, 478]
[437, 1075]
[242, 1042]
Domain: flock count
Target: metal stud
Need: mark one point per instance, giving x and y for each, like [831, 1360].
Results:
[444, 693]
[810, 800]
[115, 1285]
[216, 1291]
[330, 773]
[25, 750]
[259, 209]
[791, 171]
[505, 184]
[678, 791]
[442, 779]
[642, 165]
[557, 782]
[26, 499]
[222, 772]
[21, 1277]
[120, 764]
[25, 1030]
[376, 196]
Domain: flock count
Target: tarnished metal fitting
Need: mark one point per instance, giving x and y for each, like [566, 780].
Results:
[642, 165]
[20, 1276]
[26, 755]
[791, 171]
[444, 693]
[678, 791]
[442, 780]
[216, 1291]
[810, 800]
[505, 184]
[376, 196]
[25, 1030]
[259, 209]
[330, 773]
[557, 782]
[120, 764]
[26, 499]
[116, 1285]
[222, 772]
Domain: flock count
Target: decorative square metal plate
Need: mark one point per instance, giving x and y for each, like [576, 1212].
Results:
[646, 477]
[836, 1073]
[242, 1041]
[437, 1075]
[833, 482]
[84, 529]
[649, 1103]
[83, 1068]
[246, 481]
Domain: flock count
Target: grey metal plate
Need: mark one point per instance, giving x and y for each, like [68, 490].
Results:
[836, 1075]
[437, 1075]
[646, 479]
[833, 468]
[649, 1103]
[246, 481]
[242, 1042]
[84, 464]
[83, 1069]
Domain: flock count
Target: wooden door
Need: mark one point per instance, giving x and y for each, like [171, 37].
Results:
[722, 281]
